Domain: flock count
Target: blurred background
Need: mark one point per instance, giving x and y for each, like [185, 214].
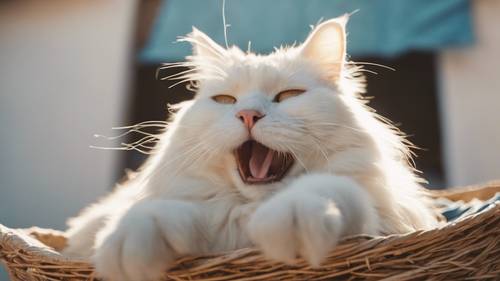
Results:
[72, 69]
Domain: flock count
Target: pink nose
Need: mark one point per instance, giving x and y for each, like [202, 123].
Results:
[249, 117]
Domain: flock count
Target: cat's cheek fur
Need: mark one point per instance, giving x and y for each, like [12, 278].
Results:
[308, 218]
[141, 244]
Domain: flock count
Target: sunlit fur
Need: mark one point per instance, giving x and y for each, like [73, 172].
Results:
[350, 176]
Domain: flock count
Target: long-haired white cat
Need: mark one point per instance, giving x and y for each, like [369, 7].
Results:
[275, 151]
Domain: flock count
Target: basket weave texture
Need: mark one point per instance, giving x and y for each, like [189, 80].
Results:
[467, 249]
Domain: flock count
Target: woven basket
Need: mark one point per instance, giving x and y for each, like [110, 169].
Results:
[467, 249]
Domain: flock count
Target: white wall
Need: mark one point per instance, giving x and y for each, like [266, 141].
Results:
[63, 77]
[470, 101]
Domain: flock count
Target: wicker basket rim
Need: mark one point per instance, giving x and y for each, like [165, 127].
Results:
[26, 256]
[20, 238]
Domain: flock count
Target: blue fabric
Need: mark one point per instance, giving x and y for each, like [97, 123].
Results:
[380, 27]
[454, 210]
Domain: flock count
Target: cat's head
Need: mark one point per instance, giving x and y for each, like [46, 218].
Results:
[263, 119]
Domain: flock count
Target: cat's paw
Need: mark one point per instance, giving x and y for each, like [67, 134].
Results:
[296, 223]
[133, 252]
[144, 243]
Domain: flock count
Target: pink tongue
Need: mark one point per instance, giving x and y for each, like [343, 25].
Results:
[260, 161]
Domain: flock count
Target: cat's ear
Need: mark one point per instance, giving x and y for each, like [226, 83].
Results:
[203, 45]
[326, 46]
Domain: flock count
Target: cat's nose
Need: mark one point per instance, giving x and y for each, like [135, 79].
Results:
[249, 117]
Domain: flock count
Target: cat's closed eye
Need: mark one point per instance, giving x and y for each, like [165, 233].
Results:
[283, 95]
[224, 99]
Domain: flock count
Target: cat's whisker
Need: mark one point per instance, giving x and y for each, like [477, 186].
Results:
[107, 148]
[137, 127]
[142, 151]
[207, 64]
[142, 141]
[210, 71]
[291, 151]
[192, 86]
[179, 75]
[191, 157]
[340, 126]
[145, 123]
[142, 144]
[321, 149]
[201, 66]
[366, 70]
[191, 64]
[146, 139]
[197, 68]
[180, 82]
[306, 128]
[177, 64]
[370, 63]
[195, 77]
[191, 68]
[146, 133]
[200, 44]
[138, 144]
[126, 133]
[119, 148]
[224, 22]
[174, 63]
[168, 66]
[200, 155]
[191, 150]
[150, 148]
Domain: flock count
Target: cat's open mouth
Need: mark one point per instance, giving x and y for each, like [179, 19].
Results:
[258, 164]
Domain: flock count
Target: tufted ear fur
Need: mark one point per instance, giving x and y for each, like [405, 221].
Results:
[326, 46]
[203, 45]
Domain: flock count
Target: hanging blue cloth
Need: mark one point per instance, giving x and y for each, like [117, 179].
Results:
[379, 28]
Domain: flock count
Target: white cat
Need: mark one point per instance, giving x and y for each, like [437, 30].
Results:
[275, 151]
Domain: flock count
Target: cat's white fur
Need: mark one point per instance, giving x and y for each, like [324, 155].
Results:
[350, 175]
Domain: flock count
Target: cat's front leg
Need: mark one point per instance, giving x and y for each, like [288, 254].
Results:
[143, 242]
[309, 217]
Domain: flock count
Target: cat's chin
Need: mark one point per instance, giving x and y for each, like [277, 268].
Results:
[259, 164]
